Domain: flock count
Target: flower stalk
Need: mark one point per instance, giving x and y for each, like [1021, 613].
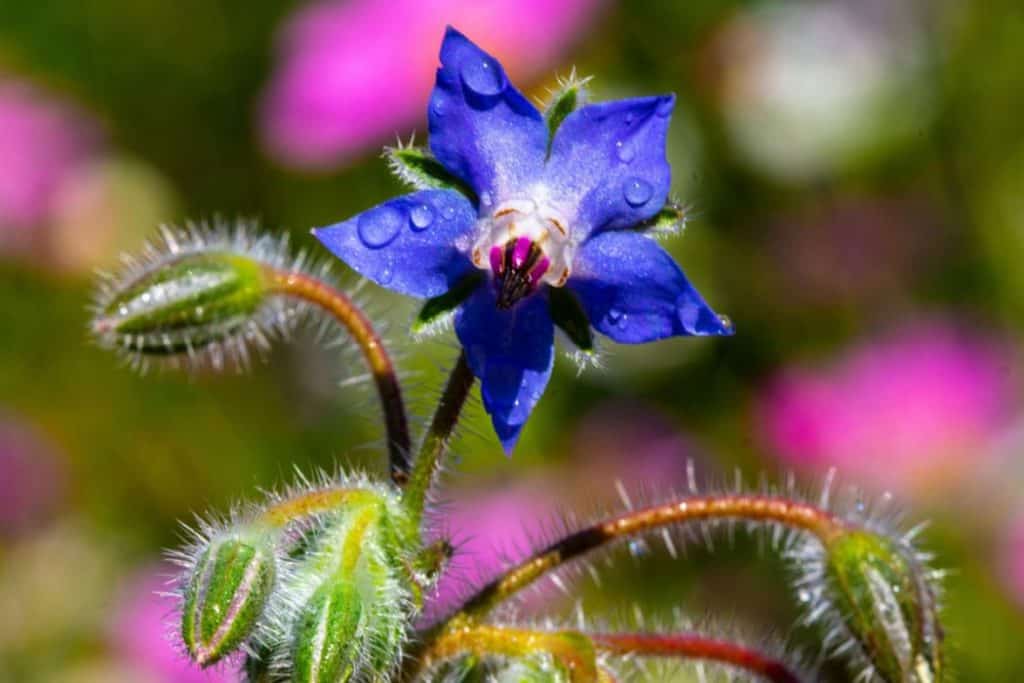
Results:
[796, 515]
[697, 647]
[307, 288]
[437, 437]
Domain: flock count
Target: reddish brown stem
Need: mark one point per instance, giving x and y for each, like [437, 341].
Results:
[696, 509]
[696, 646]
[338, 304]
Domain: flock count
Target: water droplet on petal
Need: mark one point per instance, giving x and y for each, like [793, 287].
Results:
[726, 323]
[688, 312]
[485, 199]
[629, 118]
[637, 192]
[438, 106]
[448, 211]
[483, 77]
[421, 216]
[624, 151]
[614, 316]
[386, 274]
[379, 226]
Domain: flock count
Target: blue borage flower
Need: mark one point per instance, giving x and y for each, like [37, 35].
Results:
[543, 216]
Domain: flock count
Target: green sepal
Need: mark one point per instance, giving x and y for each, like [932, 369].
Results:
[416, 167]
[568, 314]
[670, 220]
[326, 647]
[225, 595]
[888, 605]
[435, 309]
[570, 96]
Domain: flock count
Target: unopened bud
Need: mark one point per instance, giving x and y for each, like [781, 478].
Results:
[225, 595]
[885, 598]
[184, 304]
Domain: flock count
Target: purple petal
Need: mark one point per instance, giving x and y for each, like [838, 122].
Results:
[511, 352]
[608, 160]
[634, 292]
[409, 244]
[481, 128]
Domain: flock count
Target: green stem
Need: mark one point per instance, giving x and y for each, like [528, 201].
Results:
[435, 441]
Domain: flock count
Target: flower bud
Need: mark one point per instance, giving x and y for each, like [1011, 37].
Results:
[352, 625]
[225, 595]
[888, 605]
[185, 303]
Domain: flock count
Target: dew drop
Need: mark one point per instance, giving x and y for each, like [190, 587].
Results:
[421, 217]
[625, 152]
[629, 119]
[665, 107]
[726, 323]
[688, 312]
[448, 212]
[485, 199]
[386, 274]
[637, 192]
[379, 226]
[483, 77]
[614, 316]
[438, 107]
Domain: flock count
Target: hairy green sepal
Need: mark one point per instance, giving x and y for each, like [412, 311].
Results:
[416, 167]
[887, 605]
[437, 309]
[225, 595]
[568, 314]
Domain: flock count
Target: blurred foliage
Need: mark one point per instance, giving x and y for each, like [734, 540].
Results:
[176, 85]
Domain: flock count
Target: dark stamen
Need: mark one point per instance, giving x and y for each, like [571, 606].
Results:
[522, 265]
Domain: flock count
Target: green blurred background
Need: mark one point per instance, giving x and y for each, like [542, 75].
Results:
[855, 175]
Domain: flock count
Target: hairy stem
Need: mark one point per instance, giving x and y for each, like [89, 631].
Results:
[335, 302]
[572, 651]
[744, 507]
[435, 441]
[311, 503]
[696, 646]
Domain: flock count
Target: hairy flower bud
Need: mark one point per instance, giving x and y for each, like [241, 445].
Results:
[352, 600]
[225, 595]
[201, 293]
[888, 605]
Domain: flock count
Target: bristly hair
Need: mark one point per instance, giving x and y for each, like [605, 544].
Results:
[276, 317]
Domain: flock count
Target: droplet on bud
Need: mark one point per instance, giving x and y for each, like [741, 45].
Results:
[225, 595]
[888, 605]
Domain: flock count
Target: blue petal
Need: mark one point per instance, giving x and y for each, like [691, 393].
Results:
[408, 244]
[481, 128]
[511, 352]
[634, 292]
[608, 161]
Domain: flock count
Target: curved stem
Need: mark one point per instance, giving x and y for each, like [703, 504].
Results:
[435, 441]
[746, 507]
[573, 651]
[336, 303]
[696, 646]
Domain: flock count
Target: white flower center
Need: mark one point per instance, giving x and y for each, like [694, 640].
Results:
[524, 243]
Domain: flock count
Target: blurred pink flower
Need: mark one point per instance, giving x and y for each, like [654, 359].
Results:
[42, 142]
[31, 478]
[354, 74]
[141, 635]
[912, 411]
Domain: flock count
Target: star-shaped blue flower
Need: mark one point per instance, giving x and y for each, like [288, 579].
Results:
[546, 216]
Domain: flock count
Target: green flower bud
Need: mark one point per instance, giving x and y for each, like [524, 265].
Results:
[888, 605]
[225, 595]
[185, 304]
[353, 624]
